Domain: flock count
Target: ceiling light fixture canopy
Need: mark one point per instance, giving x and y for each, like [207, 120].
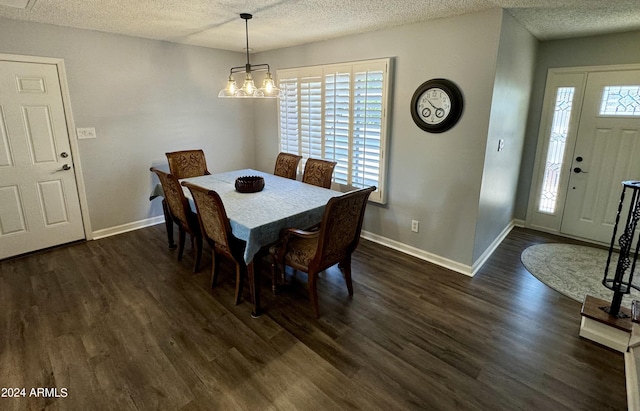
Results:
[248, 89]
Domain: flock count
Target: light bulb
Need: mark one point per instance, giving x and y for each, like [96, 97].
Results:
[248, 85]
[230, 90]
[268, 84]
[269, 87]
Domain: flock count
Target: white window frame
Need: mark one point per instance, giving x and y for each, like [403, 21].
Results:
[305, 122]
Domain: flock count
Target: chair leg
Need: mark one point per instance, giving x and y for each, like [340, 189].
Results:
[240, 275]
[196, 265]
[275, 272]
[214, 268]
[273, 277]
[313, 293]
[168, 222]
[181, 237]
[345, 265]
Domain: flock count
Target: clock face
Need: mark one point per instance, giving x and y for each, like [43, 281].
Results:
[436, 105]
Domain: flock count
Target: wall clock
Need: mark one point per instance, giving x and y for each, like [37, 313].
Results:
[436, 105]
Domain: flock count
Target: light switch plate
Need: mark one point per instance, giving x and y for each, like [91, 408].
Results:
[89, 132]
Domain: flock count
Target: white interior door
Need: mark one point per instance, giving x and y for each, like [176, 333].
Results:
[39, 203]
[607, 152]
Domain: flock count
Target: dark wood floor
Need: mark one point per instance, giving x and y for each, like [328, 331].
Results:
[120, 324]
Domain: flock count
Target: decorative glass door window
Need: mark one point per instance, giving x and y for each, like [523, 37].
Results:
[555, 153]
[620, 101]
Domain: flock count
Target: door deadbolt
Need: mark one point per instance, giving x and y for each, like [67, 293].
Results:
[64, 154]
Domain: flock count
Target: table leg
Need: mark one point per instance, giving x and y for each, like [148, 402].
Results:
[168, 222]
[255, 290]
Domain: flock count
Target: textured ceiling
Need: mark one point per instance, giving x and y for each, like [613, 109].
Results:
[284, 23]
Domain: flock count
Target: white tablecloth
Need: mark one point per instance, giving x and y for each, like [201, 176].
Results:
[257, 218]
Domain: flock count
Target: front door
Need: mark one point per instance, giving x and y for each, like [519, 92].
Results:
[607, 152]
[39, 203]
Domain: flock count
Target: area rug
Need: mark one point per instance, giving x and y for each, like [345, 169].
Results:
[574, 270]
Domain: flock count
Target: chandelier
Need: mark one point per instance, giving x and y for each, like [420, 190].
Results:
[248, 89]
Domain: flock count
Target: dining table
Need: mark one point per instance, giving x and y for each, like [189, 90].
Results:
[257, 218]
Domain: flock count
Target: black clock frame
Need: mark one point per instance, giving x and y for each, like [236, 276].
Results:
[455, 95]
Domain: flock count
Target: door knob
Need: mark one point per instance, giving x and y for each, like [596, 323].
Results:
[66, 167]
[579, 170]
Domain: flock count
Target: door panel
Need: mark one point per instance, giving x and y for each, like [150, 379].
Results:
[39, 202]
[5, 153]
[39, 129]
[52, 202]
[12, 218]
[609, 149]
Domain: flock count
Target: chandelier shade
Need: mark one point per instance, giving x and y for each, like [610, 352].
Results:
[248, 88]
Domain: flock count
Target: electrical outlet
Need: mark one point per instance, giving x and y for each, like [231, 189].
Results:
[414, 226]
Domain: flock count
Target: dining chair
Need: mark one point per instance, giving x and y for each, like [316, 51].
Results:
[216, 229]
[287, 165]
[332, 243]
[183, 164]
[181, 214]
[187, 163]
[318, 172]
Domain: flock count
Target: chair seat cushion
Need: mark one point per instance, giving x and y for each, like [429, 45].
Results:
[300, 251]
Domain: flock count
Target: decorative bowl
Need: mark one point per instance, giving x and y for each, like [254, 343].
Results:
[249, 184]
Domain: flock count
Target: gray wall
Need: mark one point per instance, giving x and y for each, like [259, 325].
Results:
[623, 48]
[147, 97]
[144, 98]
[433, 178]
[511, 93]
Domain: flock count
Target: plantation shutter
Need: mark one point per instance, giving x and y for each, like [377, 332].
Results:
[337, 120]
[339, 114]
[367, 125]
[288, 116]
[311, 117]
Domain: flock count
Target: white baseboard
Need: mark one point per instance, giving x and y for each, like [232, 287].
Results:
[107, 232]
[631, 377]
[387, 242]
[416, 252]
[494, 245]
[439, 260]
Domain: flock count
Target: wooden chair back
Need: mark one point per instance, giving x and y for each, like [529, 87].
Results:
[287, 165]
[340, 228]
[187, 163]
[216, 229]
[174, 196]
[181, 214]
[212, 215]
[318, 172]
